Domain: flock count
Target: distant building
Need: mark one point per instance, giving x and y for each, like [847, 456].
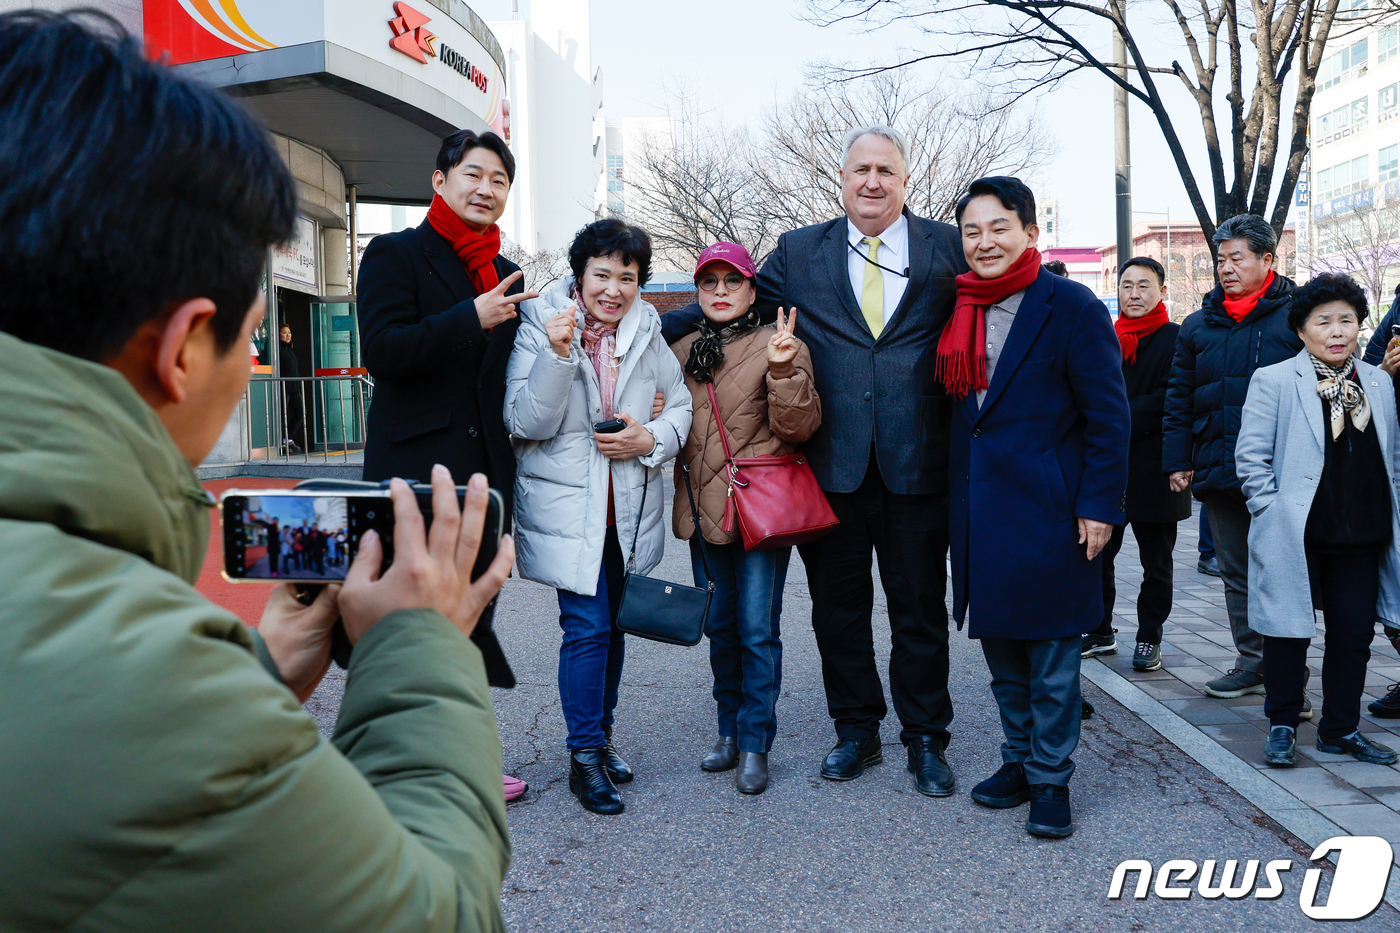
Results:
[1350, 193]
[1191, 267]
[1047, 218]
[1083, 262]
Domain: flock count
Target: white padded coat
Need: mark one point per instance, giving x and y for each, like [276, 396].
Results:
[561, 483]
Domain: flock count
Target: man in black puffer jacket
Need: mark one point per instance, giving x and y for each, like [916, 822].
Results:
[1242, 326]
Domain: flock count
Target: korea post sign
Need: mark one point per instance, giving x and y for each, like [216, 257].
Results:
[411, 36]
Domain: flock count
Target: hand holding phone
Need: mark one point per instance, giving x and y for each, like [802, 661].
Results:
[432, 568]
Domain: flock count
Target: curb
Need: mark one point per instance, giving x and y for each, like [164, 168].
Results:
[1284, 808]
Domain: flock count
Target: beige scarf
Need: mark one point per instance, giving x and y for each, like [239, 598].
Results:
[1343, 394]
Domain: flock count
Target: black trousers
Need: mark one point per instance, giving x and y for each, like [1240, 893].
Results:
[1154, 603]
[1346, 587]
[909, 535]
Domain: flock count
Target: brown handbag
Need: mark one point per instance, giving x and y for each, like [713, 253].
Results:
[776, 498]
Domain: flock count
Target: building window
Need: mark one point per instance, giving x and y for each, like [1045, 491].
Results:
[1337, 67]
[1387, 44]
[1351, 9]
[1322, 128]
[615, 182]
[1388, 167]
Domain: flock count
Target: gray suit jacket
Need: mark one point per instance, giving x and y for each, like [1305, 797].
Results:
[1279, 458]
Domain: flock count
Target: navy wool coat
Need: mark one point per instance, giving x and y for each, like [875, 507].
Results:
[1048, 445]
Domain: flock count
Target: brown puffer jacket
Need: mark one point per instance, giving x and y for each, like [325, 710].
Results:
[766, 411]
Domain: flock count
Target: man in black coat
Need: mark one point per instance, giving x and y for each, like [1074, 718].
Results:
[1242, 326]
[438, 320]
[435, 343]
[1148, 338]
[294, 393]
[875, 288]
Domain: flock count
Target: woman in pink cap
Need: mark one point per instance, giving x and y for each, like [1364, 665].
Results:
[762, 378]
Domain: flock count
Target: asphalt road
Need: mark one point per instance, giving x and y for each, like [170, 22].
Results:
[690, 853]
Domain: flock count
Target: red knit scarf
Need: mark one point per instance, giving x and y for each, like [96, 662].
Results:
[1132, 329]
[476, 250]
[1239, 308]
[962, 350]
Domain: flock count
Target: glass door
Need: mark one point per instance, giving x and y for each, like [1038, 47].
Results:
[335, 352]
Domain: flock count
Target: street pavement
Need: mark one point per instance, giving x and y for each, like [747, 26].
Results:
[690, 853]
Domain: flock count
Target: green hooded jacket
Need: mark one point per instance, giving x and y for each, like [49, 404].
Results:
[153, 776]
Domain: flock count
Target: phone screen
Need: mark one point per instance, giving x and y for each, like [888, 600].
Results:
[303, 538]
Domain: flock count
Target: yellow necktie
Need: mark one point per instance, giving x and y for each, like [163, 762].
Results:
[872, 293]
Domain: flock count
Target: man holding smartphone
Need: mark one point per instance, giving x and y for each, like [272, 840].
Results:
[159, 773]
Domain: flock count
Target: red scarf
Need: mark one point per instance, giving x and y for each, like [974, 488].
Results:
[1132, 329]
[962, 350]
[1239, 308]
[476, 250]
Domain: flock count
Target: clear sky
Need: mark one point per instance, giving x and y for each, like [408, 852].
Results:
[739, 56]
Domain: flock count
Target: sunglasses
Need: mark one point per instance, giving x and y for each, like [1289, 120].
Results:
[708, 283]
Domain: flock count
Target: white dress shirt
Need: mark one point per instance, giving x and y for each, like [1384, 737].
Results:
[892, 254]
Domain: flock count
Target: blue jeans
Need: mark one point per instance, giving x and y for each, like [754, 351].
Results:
[591, 655]
[746, 653]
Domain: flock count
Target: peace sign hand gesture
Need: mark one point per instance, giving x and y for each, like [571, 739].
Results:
[782, 346]
[495, 308]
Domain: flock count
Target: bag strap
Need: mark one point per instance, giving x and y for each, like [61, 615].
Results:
[694, 514]
[719, 420]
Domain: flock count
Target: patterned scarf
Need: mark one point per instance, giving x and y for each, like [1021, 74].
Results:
[600, 343]
[1344, 394]
[707, 352]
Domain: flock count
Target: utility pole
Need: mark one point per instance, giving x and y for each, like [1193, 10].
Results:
[1122, 177]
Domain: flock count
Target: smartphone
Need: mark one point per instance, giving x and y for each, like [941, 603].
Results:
[1395, 331]
[312, 535]
[609, 427]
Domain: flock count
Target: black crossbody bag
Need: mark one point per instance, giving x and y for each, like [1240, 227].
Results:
[658, 609]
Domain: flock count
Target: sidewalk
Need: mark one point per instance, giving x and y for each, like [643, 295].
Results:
[1350, 796]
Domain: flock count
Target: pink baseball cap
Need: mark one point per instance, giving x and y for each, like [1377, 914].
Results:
[732, 253]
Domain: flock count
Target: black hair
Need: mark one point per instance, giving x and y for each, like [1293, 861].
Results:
[1147, 262]
[1251, 228]
[455, 148]
[1008, 189]
[1330, 286]
[124, 188]
[611, 237]
[1057, 267]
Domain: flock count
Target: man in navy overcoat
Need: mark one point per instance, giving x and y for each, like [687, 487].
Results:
[1038, 471]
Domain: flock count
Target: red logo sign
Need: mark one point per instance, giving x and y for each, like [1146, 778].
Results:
[410, 37]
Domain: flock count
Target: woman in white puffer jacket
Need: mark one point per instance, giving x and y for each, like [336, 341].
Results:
[590, 350]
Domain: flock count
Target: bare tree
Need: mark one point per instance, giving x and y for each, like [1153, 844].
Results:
[540, 268]
[954, 138]
[1361, 244]
[749, 187]
[1272, 50]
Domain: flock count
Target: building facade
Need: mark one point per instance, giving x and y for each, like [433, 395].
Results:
[1182, 250]
[1351, 192]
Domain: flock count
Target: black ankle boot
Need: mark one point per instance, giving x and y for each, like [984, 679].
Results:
[589, 781]
[618, 770]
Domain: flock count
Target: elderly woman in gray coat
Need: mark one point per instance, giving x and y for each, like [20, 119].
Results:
[587, 493]
[1316, 453]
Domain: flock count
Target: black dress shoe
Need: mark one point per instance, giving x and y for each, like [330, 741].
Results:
[619, 770]
[1281, 747]
[1050, 815]
[589, 782]
[752, 776]
[1007, 788]
[851, 756]
[932, 776]
[723, 756]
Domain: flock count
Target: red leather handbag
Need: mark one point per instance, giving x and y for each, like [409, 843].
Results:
[777, 498]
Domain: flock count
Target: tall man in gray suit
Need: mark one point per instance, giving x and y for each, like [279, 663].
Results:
[875, 288]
